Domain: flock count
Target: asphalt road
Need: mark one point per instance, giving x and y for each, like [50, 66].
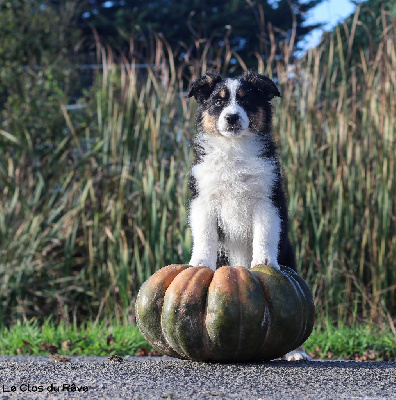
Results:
[160, 378]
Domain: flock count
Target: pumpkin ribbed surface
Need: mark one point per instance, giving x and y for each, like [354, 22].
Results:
[232, 314]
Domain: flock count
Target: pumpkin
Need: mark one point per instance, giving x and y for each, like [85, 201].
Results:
[231, 315]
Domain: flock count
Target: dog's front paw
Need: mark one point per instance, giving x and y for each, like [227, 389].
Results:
[265, 261]
[200, 262]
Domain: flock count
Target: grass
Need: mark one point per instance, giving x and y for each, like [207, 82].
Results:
[87, 339]
[359, 342]
[87, 216]
[104, 339]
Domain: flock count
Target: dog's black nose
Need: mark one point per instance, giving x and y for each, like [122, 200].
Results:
[232, 119]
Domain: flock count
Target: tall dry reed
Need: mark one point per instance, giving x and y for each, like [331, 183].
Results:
[83, 227]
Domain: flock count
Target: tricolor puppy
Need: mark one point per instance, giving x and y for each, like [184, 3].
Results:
[238, 209]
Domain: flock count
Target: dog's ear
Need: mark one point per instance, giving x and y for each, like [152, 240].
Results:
[203, 87]
[262, 83]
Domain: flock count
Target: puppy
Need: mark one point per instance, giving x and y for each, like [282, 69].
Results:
[238, 210]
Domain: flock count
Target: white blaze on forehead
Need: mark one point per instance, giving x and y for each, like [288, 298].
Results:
[233, 85]
[233, 108]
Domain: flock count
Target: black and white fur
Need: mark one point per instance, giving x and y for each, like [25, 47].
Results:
[238, 210]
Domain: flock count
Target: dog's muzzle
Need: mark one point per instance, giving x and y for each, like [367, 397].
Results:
[233, 121]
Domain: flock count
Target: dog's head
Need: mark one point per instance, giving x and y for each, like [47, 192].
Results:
[234, 107]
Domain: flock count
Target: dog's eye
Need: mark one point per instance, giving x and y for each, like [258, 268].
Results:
[218, 102]
[245, 99]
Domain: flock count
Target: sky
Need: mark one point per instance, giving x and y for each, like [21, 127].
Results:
[330, 12]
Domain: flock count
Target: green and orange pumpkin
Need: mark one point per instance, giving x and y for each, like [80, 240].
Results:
[230, 315]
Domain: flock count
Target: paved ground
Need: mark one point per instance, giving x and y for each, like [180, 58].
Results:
[161, 378]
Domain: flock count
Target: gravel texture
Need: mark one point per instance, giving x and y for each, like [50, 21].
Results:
[160, 378]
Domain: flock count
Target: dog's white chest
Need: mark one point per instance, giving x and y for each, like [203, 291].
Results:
[233, 179]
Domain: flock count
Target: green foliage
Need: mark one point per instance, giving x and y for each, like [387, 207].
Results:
[248, 27]
[106, 338]
[86, 220]
[35, 74]
[358, 342]
[340, 133]
[93, 339]
[104, 209]
[34, 33]
[361, 33]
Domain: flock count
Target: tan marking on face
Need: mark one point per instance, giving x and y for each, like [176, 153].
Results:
[209, 79]
[241, 94]
[223, 94]
[209, 124]
[257, 120]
